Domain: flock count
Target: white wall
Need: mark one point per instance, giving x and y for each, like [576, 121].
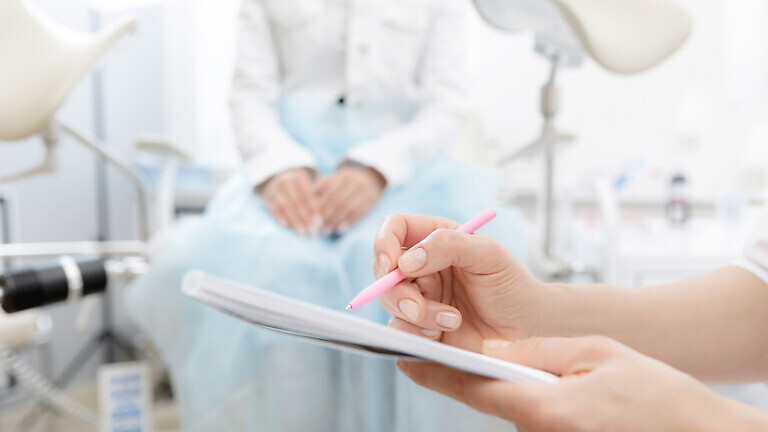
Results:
[695, 111]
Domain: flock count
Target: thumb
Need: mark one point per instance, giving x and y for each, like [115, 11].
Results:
[559, 356]
[449, 248]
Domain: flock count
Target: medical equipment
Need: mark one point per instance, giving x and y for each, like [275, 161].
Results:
[67, 280]
[46, 61]
[623, 36]
[679, 207]
[43, 63]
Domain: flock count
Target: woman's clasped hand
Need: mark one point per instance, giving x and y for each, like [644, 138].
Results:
[313, 206]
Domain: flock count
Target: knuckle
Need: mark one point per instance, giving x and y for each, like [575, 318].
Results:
[597, 346]
[443, 238]
[330, 203]
[343, 209]
[384, 230]
[274, 208]
[387, 224]
[489, 243]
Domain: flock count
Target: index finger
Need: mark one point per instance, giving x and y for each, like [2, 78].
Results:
[404, 230]
[307, 191]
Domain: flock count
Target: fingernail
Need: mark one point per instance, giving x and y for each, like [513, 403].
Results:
[326, 231]
[383, 262]
[430, 333]
[379, 272]
[315, 225]
[343, 228]
[409, 308]
[448, 319]
[317, 220]
[413, 260]
[496, 343]
[282, 222]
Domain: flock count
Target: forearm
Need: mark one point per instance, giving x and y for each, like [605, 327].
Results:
[711, 326]
[265, 146]
[713, 412]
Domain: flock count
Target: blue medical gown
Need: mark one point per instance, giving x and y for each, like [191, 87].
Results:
[230, 376]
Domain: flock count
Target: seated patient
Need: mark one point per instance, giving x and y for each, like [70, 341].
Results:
[343, 113]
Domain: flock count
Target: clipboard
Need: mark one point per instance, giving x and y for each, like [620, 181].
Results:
[342, 330]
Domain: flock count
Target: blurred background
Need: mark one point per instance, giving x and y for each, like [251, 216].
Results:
[690, 132]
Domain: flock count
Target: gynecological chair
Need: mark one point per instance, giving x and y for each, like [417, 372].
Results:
[623, 36]
[42, 63]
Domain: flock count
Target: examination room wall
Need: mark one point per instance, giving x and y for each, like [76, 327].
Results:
[703, 110]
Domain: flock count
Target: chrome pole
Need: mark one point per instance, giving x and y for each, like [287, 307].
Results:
[124, 168]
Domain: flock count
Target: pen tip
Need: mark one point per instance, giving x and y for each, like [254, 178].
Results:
[349, 307]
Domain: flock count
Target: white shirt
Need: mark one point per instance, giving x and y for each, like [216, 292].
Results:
[400, 66]
[756, 250]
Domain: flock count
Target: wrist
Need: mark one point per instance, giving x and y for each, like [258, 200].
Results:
[550, 310]
[377, 176]
[581, 310]
[259, 188]
[713, 412]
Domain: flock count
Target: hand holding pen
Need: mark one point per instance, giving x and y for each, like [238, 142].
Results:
[410, 258]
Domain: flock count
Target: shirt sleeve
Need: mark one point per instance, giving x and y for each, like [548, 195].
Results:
[266, 148]
[755, 257]
[440, 117]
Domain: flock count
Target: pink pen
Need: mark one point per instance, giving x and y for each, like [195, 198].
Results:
[395, 276]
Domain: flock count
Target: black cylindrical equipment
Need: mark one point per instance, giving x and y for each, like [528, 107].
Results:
[65, 280]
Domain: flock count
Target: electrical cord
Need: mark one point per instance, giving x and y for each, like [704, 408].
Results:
[44, 390]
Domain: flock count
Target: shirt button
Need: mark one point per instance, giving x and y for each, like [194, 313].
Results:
[362, 49]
